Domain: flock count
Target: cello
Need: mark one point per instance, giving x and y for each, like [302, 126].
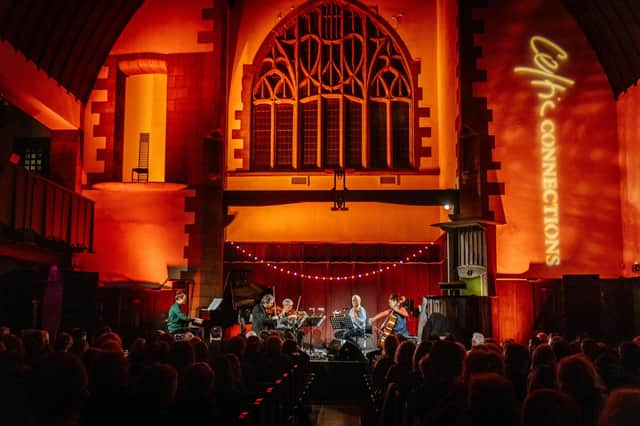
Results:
[390, 322]
[387, 329]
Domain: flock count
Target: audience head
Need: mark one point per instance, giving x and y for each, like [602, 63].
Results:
[542, 377]
[621, 409]
[404, 354]
[477, 339]
[560, 347]
[543, 354]
[390, 346]
[289, 347]
[444, 363]
[58, 388]
[549, 407]
[236, 345]
[492, 400]
[422, 349]
[482, 361]
[63, 343]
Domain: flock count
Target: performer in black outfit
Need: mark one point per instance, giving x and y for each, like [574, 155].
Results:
[263, 315]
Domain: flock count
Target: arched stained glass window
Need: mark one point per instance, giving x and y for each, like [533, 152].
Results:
[332, 89]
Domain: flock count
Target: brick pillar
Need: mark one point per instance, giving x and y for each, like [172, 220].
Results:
[65, 164]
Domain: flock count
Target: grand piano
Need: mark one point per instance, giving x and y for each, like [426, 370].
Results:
[231, 312]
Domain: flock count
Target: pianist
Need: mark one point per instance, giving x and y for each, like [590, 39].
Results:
[177, 321]
[358, 318]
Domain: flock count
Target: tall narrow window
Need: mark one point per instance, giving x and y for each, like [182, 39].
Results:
[400, 136]
[315, 74]
[284, 135]
[332, 133]
[309, 135]
[353, 135]
[261, 155]
[378, 134]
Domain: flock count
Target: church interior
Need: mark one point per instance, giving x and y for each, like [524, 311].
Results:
[452, 152]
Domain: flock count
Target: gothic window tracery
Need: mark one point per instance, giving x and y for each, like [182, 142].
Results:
[332, 89]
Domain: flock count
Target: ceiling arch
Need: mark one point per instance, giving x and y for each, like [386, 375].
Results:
[71, 39]
[613, 30]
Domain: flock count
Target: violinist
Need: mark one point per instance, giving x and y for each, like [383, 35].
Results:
[396, 311]
[289, 321]
[264, 315]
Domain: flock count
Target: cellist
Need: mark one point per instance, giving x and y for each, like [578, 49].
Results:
[396, 314]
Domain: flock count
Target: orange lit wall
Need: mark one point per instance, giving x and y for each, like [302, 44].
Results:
[145, 112]
[590, 237]
[628, 108]
[165, 26]
[139, 230]
[364, 222]
[448, 90]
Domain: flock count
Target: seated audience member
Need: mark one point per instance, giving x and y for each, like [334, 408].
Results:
[630, 363]
[195, 398]
[560, 347]
[477, 339]
[63, 343]
[480, 360]
[108, 386]
[577, 377]
[274, 362]
[401, 371]
[382, 364]
[181, 355]
[441, 398]
[622, 408]
[542, 377]
[549, 407]
[230, 391]
[609, 368]
[153, 396]
[516, 366]
[543, 354]
[492, 401]
[200, 350]
[422, 349]
[58, 389]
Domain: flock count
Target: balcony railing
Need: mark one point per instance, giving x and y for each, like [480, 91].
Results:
[38, 210]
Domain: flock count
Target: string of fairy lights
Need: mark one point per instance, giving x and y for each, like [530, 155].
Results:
[252, 257]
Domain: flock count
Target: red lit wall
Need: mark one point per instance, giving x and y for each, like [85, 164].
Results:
[137, 233]
[584, 127]
[628, 108]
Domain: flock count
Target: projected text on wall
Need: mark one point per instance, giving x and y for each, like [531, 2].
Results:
[550, 85]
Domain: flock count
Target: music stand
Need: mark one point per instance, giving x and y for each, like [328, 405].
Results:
[341, 322]
[312, 321]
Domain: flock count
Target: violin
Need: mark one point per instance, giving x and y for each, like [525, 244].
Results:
[273, 311]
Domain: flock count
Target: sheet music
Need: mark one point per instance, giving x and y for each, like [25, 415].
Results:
[215, 303]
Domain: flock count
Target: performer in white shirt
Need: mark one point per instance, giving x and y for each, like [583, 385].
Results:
[358, 317]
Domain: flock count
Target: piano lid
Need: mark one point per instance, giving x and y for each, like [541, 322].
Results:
[244, 294]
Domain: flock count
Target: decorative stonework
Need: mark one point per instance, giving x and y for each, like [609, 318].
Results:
[366, 62]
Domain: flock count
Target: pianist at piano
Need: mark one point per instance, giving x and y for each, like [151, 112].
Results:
[177, 321]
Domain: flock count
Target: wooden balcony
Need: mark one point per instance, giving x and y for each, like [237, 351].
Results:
[42, 213]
